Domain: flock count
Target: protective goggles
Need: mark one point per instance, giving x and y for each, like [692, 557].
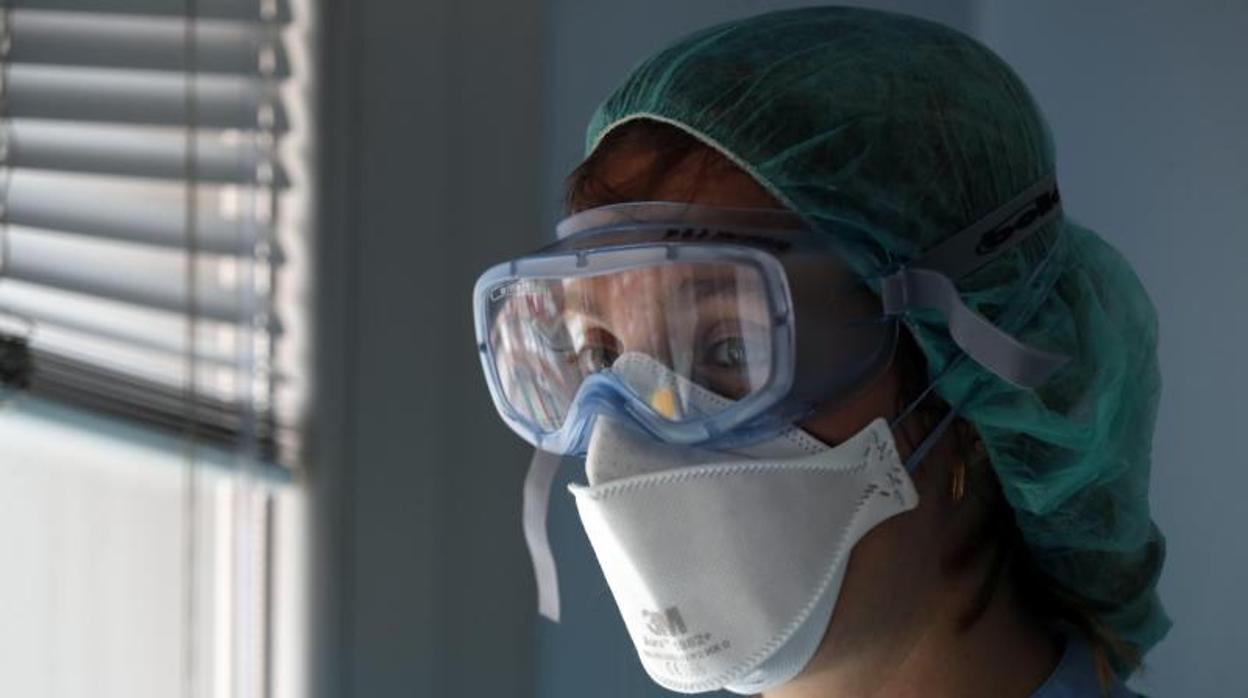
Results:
[749, 304]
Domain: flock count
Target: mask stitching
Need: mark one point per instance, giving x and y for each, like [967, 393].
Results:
[878, 448]
[709, 470]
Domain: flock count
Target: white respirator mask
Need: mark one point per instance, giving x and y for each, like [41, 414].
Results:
[726, 566]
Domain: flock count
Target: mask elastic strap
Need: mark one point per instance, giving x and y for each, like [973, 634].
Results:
[920, 452]
[537, 486]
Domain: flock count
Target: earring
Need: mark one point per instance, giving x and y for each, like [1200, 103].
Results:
[959, 481]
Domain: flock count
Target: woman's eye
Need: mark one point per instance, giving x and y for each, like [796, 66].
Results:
[727, 353]
[596, 357]
[553, 337]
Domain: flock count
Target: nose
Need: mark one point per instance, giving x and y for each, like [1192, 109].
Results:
[618, 450]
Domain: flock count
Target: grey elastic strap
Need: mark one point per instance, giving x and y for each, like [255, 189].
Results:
[994, 234]
[928, 283]
[987, 344]
[537, 486]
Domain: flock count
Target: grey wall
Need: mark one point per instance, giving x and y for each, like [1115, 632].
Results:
[1148, 102]
[420, 580]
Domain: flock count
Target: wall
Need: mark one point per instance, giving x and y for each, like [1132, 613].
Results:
[1148, 103]
[420, 579]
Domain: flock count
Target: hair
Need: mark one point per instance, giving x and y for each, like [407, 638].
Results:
[996, 535]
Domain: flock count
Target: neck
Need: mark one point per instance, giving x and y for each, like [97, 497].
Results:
[1005, 653]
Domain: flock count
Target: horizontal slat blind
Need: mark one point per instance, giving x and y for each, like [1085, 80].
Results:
[140, 327]
[132, 209]
[151, 43]
[140, 274]
[245, 10]
[137, 96]
[137, 151]
[138, 208]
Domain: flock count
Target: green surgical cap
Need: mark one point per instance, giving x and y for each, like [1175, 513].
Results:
[897, 133]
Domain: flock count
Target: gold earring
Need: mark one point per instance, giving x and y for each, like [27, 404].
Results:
[959, 481]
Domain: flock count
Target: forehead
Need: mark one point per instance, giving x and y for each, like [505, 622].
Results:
[690, 282]
[703, 177]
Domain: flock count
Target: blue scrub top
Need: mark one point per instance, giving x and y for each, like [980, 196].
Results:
[1075, 676]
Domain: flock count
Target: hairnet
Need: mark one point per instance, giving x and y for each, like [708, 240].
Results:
[898, 133]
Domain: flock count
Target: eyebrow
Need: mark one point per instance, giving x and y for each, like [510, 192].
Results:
[704, 288]
[589, 320]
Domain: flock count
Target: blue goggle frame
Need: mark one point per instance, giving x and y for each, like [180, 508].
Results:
[631, 236]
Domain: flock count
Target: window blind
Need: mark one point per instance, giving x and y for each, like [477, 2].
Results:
[140, 181]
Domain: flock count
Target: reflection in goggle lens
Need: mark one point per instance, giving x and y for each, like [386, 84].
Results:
[708, 323]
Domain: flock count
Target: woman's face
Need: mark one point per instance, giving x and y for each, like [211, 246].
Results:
[893, 584]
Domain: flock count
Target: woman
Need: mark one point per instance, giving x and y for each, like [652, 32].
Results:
[863, 413]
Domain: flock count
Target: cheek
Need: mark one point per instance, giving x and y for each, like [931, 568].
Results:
[887, 558]
[877, 399]
[893, 570]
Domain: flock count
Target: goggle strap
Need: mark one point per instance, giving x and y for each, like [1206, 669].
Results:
[995, 234]
[538, 483]
[992, 347]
